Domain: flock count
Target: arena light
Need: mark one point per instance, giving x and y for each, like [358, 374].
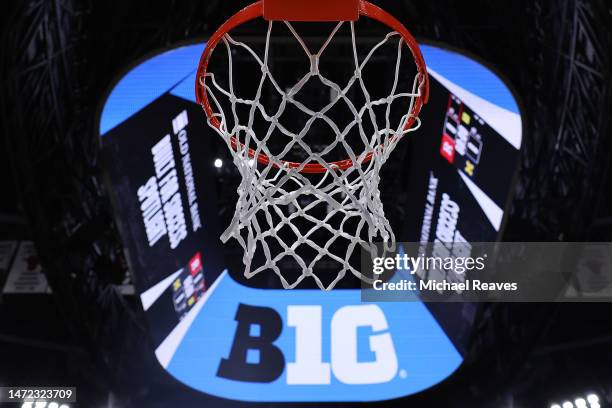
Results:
[593, 399]
[580, 402]
[43, 404]
[218, 163]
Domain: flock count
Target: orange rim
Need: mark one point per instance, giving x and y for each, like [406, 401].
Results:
[254, 11]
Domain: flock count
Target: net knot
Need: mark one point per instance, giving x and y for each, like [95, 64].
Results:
[314, 64]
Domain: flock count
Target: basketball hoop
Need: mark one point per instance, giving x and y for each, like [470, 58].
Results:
[272, 193]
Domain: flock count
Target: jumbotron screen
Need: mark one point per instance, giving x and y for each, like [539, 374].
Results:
[229, 340]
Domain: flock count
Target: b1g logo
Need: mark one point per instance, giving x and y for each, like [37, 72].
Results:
[255, 358]
[307, 346]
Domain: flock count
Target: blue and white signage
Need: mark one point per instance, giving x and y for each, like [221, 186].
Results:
[241, 343]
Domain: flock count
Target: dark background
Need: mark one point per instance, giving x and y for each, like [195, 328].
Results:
[58, 59]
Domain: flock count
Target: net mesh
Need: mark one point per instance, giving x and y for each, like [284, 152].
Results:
[286, 211]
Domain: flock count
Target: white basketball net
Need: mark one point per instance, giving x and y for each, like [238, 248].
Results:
[273, 197]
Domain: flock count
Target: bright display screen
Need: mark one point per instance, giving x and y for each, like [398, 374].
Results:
[229, 340]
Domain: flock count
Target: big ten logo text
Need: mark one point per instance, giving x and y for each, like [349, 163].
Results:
[255, 358]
